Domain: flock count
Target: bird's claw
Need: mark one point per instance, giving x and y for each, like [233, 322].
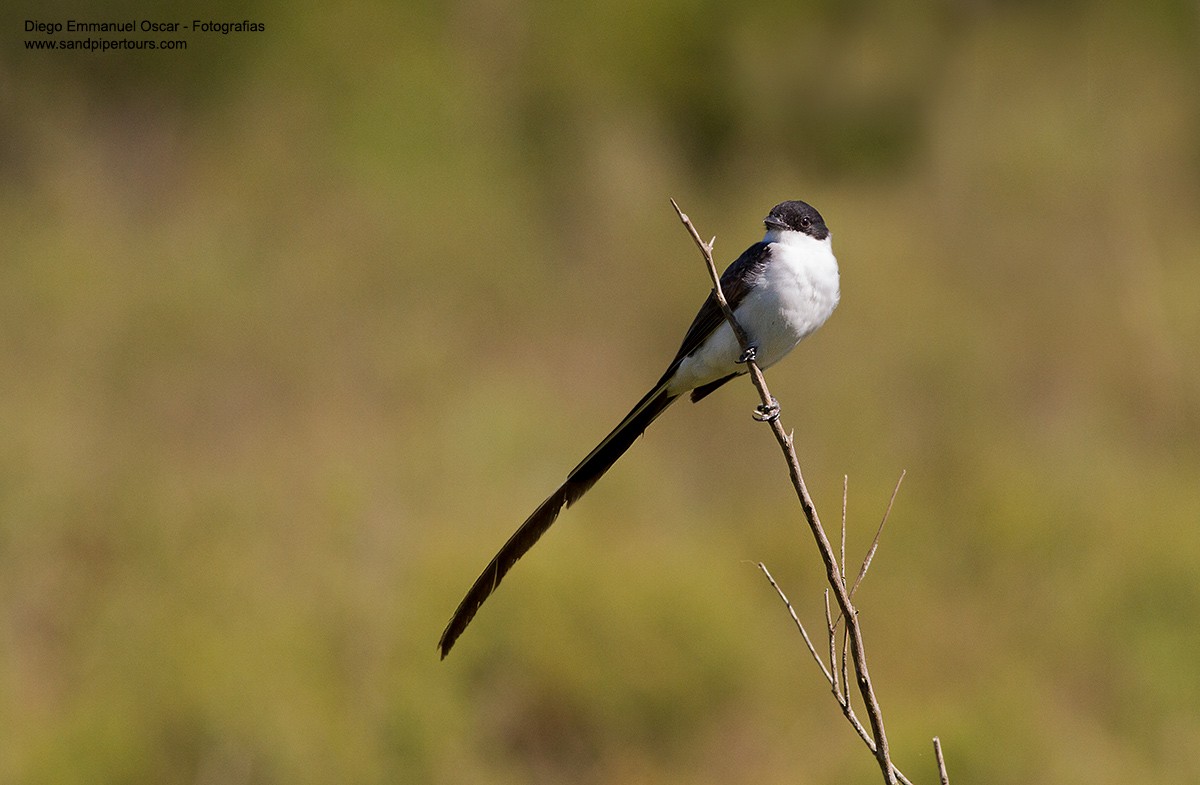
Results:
[767, 412]
[751, 353]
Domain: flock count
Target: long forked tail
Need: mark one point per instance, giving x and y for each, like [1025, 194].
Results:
[583, 477]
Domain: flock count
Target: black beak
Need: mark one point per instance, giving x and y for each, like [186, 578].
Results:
[774, 223]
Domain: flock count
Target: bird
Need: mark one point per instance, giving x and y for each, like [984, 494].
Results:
[781, 289]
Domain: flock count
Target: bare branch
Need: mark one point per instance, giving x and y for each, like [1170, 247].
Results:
[841, 687]
[832, 570]
[752, 368]
[811, 649]
[841, 693]
[866, 565]
[706, 249]
[845, 497]
[845, 667]
[941, 762]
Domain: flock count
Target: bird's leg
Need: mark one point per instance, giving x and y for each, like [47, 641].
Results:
[767, 413]
[762, 412]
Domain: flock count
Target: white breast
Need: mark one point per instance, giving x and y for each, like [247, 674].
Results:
[797, 292]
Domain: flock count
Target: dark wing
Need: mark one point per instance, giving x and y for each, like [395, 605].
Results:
[736, 281]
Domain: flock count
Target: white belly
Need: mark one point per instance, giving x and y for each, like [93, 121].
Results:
[795, 295]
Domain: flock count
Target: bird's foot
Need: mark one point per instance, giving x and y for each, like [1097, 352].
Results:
[751, 353]
[767, 413]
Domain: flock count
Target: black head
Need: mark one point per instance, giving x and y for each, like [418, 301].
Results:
[798, 217]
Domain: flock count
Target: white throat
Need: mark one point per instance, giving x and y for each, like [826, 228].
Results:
[794, 295]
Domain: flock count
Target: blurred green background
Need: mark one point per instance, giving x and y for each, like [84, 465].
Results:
[297, 326]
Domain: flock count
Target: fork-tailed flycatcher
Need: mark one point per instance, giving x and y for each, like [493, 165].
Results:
[780, 290]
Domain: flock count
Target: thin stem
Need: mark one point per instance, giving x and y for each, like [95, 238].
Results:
[811, 649]
[838, 690]
[941, 762]
[845, 497]
[866, 565]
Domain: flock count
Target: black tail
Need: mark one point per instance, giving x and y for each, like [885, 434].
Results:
[583, 477]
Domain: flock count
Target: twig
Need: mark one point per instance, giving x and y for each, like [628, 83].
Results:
[706, 249]
[845, 497]
[941, 762]
[866, 565]
[845, 668]
[811, 649]
[756, 375]
[833, 573]
[841, 692]
[841, 695]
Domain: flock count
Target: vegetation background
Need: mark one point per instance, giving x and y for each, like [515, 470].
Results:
[297, 326]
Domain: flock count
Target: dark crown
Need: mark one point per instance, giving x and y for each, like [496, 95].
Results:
[798, 217]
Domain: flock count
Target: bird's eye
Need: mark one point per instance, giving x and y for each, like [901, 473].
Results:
[806, 222]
